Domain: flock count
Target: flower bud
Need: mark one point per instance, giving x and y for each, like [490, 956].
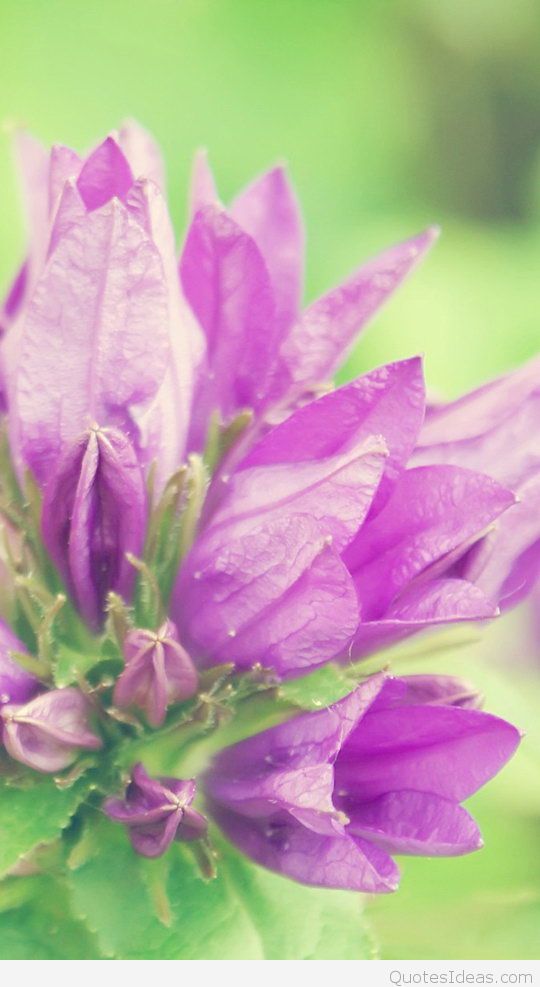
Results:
[47, 732]
[158, 672]
[156, 812]
[94, 511]
[16, 684]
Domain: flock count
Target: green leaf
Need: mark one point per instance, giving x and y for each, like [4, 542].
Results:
[43, 928]
[320, 688]
[296, 922]
[30, 816]
[245, 913]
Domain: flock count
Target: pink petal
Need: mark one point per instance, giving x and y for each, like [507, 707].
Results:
[278, 595]
[105, 174]
[445, 750]
[417, 823]
[337, 491]
[142, 152]
[163, 424]
[226, 282]
[307, 857]
[423, 607]
[94, 342]
[320, 340]
[268, 210]
[432, 511]
[65, 164]
[387, 402]
[203, 191]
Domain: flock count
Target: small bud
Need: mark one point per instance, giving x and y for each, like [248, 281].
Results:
[94, 511]
[156, 812]
[47, 732]
[158, 672]
[16, 684]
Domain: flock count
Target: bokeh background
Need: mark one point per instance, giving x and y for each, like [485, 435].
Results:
[392, 116]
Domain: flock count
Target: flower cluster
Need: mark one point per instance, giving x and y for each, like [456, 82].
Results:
[193, 514]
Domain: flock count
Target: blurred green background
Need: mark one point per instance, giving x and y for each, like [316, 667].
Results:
[392, 115]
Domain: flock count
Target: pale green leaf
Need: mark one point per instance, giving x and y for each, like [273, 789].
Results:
[43, 928]
[34, 815]
[245, 913]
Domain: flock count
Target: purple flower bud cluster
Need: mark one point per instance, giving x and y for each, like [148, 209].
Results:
[156, 812]
[327, 798]
[337, 523]
[43, 729]
[158, 672]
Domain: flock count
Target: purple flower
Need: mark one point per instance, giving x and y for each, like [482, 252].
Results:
[158, 672]
[331, 527]
[327, 798]
[157, 811]
[47, 733]
[16, 684]
[495, 428]
[242, 273]
[334, 526]
[106, 172]
[98, 324]
[320, 543]
[94, 511]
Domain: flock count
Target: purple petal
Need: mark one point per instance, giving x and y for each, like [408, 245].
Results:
[432, 511]
[203, 191]
[493, 429]
[143, 683]
[135, 814]
[388, 402]
[153, 839]
[305, 792]
[157, 811]
[441, 690]
[46, 733]
[423, 607]
[105, 174]
[164, 423]
[14, 298]
[268, 210]
[443, 750]
[94, 511]
[16, 684]
[142, 152]
[415, 823]
[278, 595]
[302, 742]
[65, 164]
[506, 563]
[158, 672]
[32, 165]
[94, 343]
[145, 800]
[70, 214]
[320, 340]
[285, 846]
[226, 282]
[337, 491]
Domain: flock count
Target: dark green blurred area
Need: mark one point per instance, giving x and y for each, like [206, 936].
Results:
[392, 116]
